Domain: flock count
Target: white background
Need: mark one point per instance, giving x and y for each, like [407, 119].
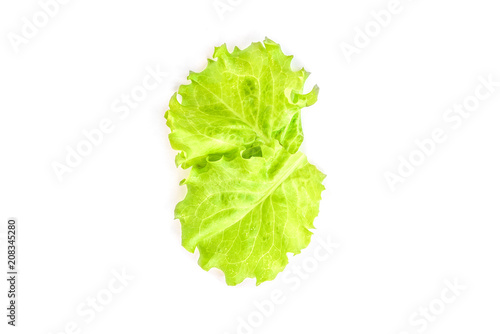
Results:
[115, 210]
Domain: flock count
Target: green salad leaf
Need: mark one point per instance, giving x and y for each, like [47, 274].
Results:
[246, 98]
[252, 197]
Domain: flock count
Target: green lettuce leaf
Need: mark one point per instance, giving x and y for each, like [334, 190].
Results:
[252, 197]
[245, 215]
[244, 99]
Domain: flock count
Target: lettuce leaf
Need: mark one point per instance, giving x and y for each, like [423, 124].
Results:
[252, 197]
[246, 98]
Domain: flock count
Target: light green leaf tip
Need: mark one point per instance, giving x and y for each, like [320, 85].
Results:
[252, 197]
